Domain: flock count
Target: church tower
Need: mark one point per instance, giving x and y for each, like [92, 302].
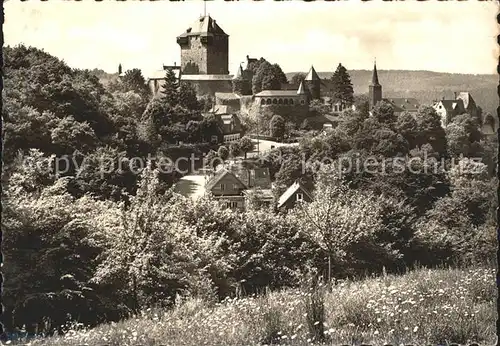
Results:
[204, 48]
[313, 84]
[375, 89]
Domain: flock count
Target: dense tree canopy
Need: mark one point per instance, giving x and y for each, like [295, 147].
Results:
[266, 76]
[342, 86]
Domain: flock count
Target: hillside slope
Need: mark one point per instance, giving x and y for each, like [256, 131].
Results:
[422, 307]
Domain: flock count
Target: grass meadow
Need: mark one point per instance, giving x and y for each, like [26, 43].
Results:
[422, 307]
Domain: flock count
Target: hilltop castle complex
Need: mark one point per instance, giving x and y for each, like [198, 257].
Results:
[205, 61]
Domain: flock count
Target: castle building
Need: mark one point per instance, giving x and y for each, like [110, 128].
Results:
[287, 98]
[204, 48]
[204, 59]
[204, 64]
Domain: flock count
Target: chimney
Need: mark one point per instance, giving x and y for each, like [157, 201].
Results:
[175, 63]
[455, 94]
[442, 98]
[119, 69]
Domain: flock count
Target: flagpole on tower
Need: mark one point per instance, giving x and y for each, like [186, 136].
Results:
[204, 8]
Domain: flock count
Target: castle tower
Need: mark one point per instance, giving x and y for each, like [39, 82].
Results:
[204, 48]
[375, 89]
[313, 84]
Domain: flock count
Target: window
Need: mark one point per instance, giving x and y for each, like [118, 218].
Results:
[300, 197]
[268, 101]
[262, 102]
[275, 101]
[291, 101]
[302, 102]
[222, 187]
[234, 204]
[236, 186]
[286, 101]
[280, 101]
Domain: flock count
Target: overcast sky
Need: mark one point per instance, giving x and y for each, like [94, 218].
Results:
[438, 36]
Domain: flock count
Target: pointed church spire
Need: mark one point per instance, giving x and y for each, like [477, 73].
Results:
[375, 74]
[119, 69]
[374, 89]
[312, 75]
[301, 90]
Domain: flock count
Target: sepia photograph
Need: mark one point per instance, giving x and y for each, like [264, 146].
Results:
[191, 173]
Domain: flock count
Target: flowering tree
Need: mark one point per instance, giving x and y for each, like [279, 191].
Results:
[140, 244]
[338, 218]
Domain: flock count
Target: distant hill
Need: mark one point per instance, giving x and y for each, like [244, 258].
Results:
[427, 86]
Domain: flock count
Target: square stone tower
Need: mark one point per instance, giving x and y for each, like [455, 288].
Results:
[204, 48]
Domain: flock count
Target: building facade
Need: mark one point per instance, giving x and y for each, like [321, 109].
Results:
[204, 48]
[204, 59]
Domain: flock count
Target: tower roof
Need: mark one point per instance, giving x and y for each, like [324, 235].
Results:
[204, 26]
[375, 75]
[312, 75]
[239, 73]
[301, 90]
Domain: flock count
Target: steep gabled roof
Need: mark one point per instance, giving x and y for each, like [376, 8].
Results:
[290, 192]
[239, 73]
[312, 75]
[451, 105]
[204, 26]
[466, 98]
[219, 176]
[404, 104]
[301, 90]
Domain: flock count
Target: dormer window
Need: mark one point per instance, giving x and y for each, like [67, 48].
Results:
[300, 197]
